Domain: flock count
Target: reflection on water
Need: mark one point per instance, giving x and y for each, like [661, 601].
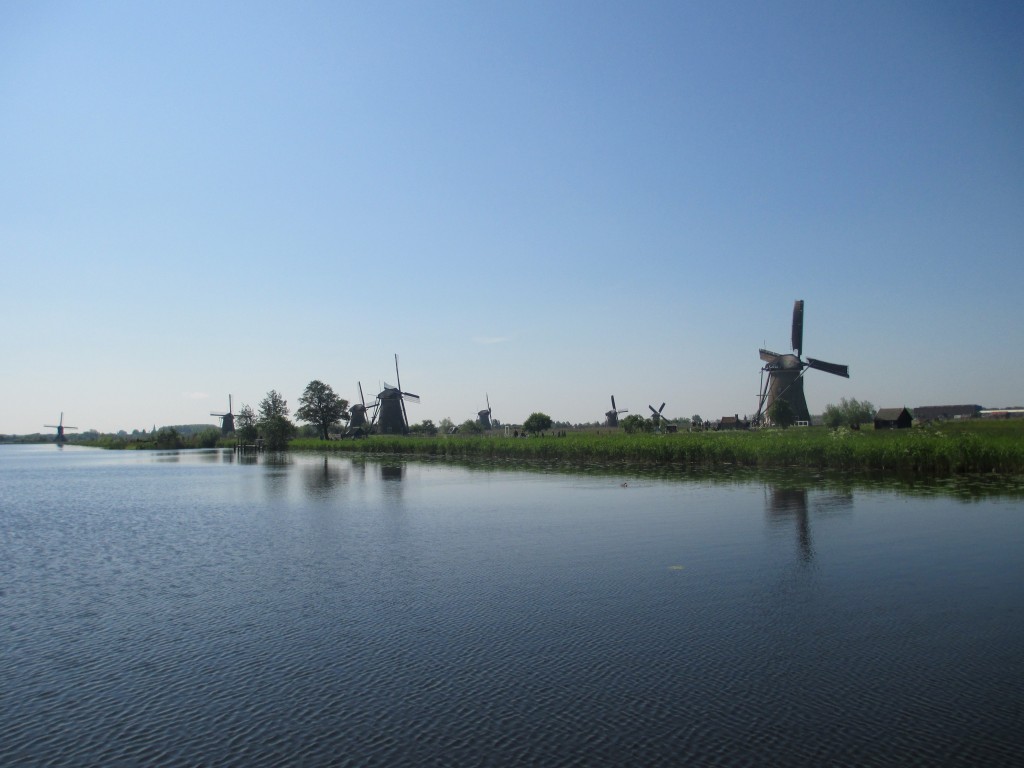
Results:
[322, 478]
[207, 608]
[789, 504]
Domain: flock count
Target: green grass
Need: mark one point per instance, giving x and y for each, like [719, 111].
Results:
[951, 449]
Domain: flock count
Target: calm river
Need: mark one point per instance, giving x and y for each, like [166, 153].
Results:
[191, 609]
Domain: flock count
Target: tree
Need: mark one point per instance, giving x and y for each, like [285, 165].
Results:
[445, 425]
[425, 427]
[537, 422]
[850, 412]
[470, 427]
[245, 424]
[636, 423]
[273, 422]
[168, 438]
[697, 420]
[321, 407]
[781, 413]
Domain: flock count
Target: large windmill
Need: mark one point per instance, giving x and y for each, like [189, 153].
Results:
[484, 417]
[391, 416]
[59, 426]
[227, 420]
[785, 378]
[611, 418]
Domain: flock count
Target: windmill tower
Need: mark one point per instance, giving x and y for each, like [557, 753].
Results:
[391, 415]
[59, 426]
[358, 423]
[611, 418]
[785, 379]
[227, 420]
[484, 417]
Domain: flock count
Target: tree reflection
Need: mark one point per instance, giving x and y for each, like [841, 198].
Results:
[322, 479]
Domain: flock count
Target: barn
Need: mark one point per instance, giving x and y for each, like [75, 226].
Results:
[893, 418]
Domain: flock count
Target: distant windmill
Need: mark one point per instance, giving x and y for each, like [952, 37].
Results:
[391, 416]
[59, 426]
[656, 415]
[612, 417]
[484, 417]
[227, 420]
[358, 423]
[786, 372]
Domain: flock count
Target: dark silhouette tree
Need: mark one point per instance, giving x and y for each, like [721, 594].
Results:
[273, 422]
[537, 422]
[321, 407]
[636, 423]
[245, 424]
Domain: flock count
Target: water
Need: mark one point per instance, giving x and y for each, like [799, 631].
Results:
[190, 609]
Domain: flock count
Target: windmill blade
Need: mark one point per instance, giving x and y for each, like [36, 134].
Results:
[410, 396]
[833, 368]
[361, 398]
[661, 409]
[652, 409]
[769, 356]
[798, 326]
[488, 398]
[613, 403]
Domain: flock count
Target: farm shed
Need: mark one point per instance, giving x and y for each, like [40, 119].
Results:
[893, 418]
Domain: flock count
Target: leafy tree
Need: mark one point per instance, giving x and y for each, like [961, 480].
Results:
[321, 407]
[425, 427]
[537, 422]
[697, 420]
[636, 423]
[245, 424]
[208, 438]
[168, 438]
[445, 425]
[781, 413]
[850, 411]
[470, 427]
[273, 422]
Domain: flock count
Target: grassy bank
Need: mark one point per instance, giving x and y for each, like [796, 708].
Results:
[956, 448]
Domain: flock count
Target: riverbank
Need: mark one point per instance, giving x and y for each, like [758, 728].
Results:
[950, 449]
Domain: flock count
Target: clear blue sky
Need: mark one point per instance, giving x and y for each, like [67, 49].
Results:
[549, 202]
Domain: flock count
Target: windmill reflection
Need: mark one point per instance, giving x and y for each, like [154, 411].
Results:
[785, 503]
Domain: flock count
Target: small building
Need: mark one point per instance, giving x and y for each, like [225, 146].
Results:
[893, 418]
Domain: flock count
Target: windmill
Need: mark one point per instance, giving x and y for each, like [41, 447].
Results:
[484, 417]
[227, 420]
[59, 426]
[656, 415]
[785, 379]
[611, 418]
[358, 424]
[391, 416]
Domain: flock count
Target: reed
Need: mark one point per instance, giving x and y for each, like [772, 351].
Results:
[944, 451]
